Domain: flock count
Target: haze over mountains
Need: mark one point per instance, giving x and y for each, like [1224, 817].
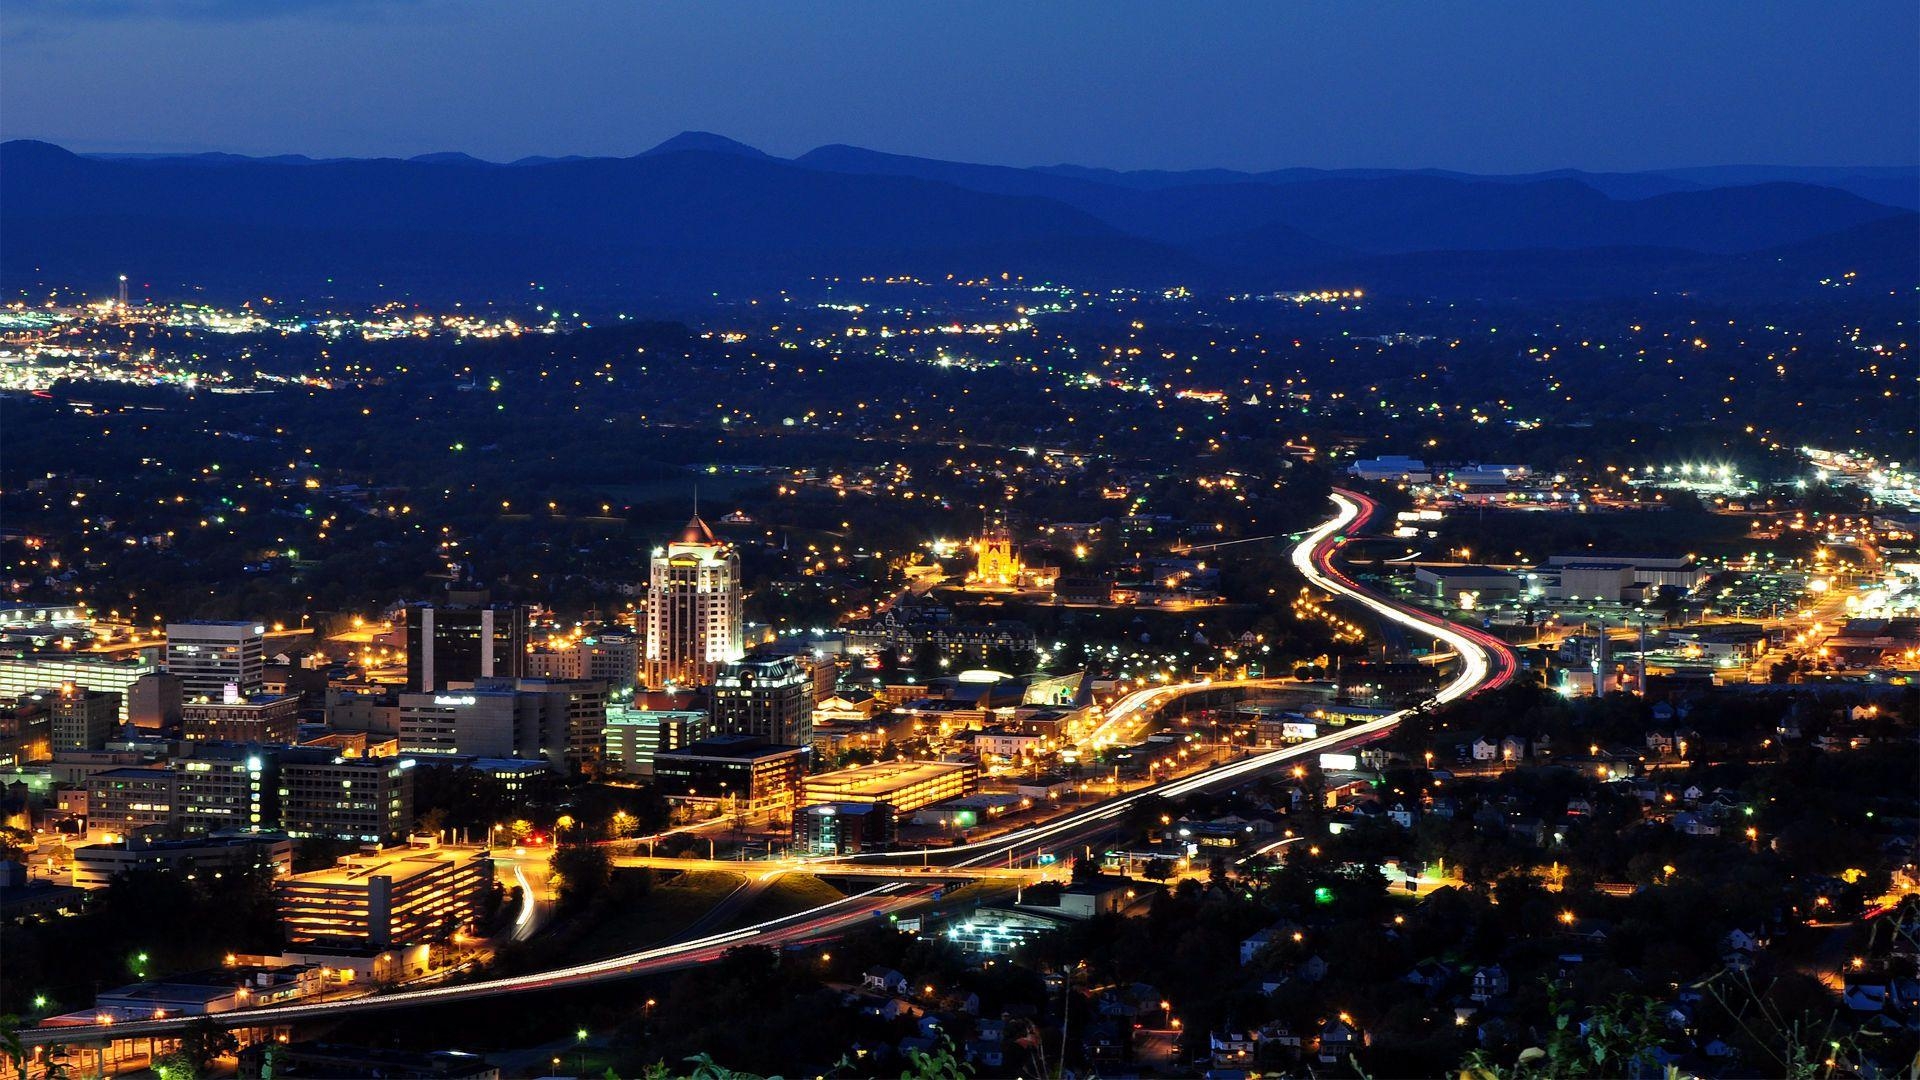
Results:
[701, 213]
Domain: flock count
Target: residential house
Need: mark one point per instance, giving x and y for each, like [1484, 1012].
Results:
[1489, 983]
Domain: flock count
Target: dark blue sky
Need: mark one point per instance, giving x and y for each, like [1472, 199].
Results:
[1483, 86]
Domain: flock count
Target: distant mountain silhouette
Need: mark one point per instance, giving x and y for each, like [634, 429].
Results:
[700, 212]
[706, 141]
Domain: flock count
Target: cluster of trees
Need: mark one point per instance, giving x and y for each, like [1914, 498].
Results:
[141, 925]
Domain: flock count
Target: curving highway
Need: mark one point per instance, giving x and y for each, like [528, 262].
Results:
[1485, 662]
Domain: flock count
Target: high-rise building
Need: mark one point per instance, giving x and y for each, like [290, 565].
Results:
[767, 696]
[694, 620]
[84, 719]
[464, 639]
[208, 657]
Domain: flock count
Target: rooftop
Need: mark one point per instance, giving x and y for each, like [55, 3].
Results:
[881, 777]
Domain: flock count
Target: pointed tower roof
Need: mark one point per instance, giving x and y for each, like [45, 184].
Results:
[696, 532]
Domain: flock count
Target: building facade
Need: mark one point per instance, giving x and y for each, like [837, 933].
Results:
[84, 719]
[738, 770]
[768, 697]
[208, 657]
[365, 800]
[460, 642]
[408, 897]
[264, 718]
[634, 737]
[558, 720]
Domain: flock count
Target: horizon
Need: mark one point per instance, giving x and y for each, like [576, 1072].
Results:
[1633, 88]
[548, 157]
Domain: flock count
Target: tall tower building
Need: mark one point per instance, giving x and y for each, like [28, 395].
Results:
[694, 621]
[208, 657]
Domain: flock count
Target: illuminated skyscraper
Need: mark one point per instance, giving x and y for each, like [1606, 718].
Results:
[694, 622]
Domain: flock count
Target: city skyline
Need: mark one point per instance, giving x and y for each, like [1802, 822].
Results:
[1403, 560]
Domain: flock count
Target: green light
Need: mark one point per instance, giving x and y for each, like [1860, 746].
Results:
[581, 1035]
[39, 1001]
[1323, 895]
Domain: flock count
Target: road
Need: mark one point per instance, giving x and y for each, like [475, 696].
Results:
[1486, 662]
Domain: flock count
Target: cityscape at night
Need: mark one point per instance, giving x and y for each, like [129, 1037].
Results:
[1402, 560]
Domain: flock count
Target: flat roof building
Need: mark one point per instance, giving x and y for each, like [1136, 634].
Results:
[84, 719]
[96, 865]
[269, 719]
[27, 673]
[634, 737]
[404, 897]
[731, 768]
[208, 657]
[905, 786]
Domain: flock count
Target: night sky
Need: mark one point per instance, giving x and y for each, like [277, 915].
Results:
[1488, 87]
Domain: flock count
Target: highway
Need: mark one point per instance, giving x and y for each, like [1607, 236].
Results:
[1485, 663]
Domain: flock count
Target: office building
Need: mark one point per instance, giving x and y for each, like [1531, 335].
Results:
[465, 639]
[407, 897]
[369, 800]
[84, 719]
[771, 697]
[693, 619]
[634, 737]
[835, 829]
[905, 786]
[28, 672]
[558, 720]
[26, 732]
[96, 865]
[222, 787]
[137, 797]
[737, 770]
[208, 657]
[271, 720]
[225, 787]
[612, 658]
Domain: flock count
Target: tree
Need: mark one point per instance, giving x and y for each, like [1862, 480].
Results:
[1158, 870]
[582, 870]
[205, 1042]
